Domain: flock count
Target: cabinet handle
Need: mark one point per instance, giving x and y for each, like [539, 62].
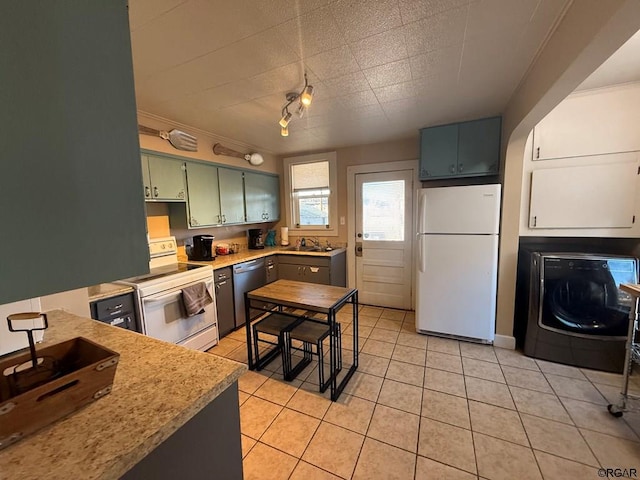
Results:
[117, 307]
[219, 219]
[181, 194]
[453, 168]
[155, 192]
[266, 216]
[147, 191]
[460, 167]
[194, 221]
[224, 219]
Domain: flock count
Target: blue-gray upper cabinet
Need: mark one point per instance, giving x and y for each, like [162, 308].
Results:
[72, 212]
[262, 197]
[164, 179]
[467, 149]
[231, 195]
[204, 196]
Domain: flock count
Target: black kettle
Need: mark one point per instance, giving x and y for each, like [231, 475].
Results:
[202, 248]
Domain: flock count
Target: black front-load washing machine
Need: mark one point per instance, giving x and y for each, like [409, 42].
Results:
[577, 314]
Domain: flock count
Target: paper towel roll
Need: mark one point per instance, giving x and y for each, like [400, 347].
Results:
[284, 236]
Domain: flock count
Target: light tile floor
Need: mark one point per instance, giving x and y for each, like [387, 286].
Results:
[423, 407]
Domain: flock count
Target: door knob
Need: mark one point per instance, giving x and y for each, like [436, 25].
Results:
[359, 235]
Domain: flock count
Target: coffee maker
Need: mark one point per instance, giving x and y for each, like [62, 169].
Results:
[201, 249]
[255, 239]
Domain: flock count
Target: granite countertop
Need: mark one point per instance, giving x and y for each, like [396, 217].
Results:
[107, 290]
[158, 387]
[222, 261]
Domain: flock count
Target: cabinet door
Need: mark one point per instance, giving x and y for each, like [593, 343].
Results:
[479, 147]
[594, 196]
[82, 175]
[593, 123]
[438, 152]
[272, 198]
[290, 271]
[231, 195]
[167, 179]
[146, 178]
[254, 195]
[204, 198]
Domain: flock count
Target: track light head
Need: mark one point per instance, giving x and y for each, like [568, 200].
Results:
[307, 96]
[286, 118]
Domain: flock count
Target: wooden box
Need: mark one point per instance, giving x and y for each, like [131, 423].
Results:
[86, 374]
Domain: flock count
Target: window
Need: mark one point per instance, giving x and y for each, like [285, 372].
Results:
[383, 211]
[312, 204]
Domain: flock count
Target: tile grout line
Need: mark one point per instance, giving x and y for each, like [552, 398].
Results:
[535, 459]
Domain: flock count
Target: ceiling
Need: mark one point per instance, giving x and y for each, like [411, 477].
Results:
[622, 67]
[381, 69]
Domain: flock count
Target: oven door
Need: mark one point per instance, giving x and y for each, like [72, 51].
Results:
[165, 317]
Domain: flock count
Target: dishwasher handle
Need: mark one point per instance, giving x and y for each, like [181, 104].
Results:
[248, 266]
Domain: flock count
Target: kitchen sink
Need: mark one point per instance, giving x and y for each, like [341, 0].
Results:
[293, 248]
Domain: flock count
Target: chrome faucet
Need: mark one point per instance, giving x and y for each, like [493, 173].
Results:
[316, 242]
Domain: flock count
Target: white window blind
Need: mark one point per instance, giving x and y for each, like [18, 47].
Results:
[310, 176]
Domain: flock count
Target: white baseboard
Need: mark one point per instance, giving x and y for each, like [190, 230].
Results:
[504, 341]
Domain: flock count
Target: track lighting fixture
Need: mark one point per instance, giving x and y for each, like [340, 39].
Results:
[304, 98]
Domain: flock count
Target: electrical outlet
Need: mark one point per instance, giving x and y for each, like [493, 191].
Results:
[342, 221]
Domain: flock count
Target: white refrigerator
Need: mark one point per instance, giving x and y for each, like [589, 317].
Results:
[457, 271]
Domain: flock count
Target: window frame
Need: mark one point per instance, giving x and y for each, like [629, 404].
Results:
[291, 210]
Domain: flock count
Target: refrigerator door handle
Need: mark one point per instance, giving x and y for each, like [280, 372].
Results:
[422, 206]
[421, 253]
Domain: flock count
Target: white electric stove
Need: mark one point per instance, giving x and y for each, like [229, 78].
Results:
[159, 298]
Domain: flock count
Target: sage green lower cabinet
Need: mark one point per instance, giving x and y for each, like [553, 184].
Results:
[262, 197]
[164, 179]
[231, 195]
[204, 198]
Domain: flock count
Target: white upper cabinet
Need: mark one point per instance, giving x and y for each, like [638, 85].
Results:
[590, 123]
[593, 196]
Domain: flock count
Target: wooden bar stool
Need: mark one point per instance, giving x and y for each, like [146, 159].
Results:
[311, 333]
[275, 325]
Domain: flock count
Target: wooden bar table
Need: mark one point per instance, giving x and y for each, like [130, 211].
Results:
[311, 297]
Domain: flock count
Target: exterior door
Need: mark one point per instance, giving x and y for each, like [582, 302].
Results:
[384, 213]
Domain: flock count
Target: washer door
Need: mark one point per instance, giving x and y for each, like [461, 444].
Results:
[587, 305]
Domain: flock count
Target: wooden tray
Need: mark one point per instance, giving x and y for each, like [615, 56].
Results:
[87, 372]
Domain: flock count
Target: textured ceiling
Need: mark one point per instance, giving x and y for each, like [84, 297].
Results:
[381, 69]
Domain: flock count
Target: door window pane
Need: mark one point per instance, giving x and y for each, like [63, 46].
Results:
[383, 211]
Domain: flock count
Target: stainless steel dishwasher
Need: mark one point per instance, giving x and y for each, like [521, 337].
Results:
[247, 276]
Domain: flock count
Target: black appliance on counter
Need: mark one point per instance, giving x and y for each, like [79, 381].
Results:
[202, 248]
[256, 241]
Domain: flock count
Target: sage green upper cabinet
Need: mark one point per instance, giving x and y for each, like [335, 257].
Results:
[73, 215]
[164, 179]
[262, 197]
[231, 195]
[204, 197]
[467, 149]
[438, 151]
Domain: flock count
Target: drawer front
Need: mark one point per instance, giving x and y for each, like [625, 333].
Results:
[310, 260]
[222, 274]
[114, 306]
